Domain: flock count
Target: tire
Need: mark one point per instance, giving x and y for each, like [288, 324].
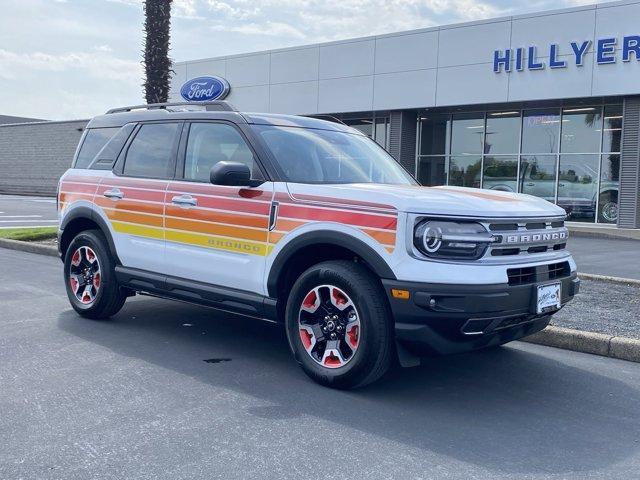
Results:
[94, 294]
[608, 207]
[363, 350]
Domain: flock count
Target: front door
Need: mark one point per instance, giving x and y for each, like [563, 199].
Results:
[216, 234]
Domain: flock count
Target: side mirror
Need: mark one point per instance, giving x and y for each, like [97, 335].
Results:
[233, 174]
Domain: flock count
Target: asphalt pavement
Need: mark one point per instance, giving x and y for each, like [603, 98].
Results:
[170, 390]
[23, 211]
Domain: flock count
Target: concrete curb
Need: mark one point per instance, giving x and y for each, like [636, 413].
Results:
[30, 247]
[607, 278]
[588, 342]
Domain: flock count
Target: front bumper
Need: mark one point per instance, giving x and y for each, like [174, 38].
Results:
[448, 318]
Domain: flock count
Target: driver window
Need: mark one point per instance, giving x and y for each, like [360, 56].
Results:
[210, 143]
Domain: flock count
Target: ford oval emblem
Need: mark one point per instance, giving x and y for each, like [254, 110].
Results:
[204, 89]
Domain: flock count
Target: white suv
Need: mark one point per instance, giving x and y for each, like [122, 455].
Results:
[309, 223]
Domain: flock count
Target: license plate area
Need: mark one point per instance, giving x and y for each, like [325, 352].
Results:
[548, 298]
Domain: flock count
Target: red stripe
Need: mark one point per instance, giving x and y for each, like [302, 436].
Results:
[235, 205]
[284, 197]
[135, 183]
[78, 188]
[339, 216]
[220, 191]
[134, 193]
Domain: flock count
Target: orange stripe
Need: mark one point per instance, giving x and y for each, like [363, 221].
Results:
[386, 238]
[213, 229]
[139, 218]
[288, 225]
[130, 205]
[275, 237]
[220, 217]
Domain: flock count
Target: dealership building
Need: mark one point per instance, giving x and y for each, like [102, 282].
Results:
[546, 104]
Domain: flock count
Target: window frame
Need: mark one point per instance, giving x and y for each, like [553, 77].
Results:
[118, 168]
[182, 150]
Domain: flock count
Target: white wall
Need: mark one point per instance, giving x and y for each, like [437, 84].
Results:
[444, 66]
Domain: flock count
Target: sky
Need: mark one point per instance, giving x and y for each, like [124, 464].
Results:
[72, 59]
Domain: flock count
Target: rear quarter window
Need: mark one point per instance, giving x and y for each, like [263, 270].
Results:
[94, 140]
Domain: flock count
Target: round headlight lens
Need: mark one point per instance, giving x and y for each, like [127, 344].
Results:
[432, 238]
[451, 240]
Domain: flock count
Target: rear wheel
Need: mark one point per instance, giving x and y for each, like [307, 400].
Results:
[89, 272]
[608, 207]
[339, 325]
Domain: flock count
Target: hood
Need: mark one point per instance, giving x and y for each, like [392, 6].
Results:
[453, 201]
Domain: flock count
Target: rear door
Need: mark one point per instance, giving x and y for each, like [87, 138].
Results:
[132, 197]
[217, 234]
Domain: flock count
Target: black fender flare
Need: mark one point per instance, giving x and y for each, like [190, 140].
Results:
[326, 237]
[84, 212]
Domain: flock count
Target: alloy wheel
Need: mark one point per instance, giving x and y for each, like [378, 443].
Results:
[85, 276]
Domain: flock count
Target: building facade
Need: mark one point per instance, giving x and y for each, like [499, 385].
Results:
[546, 104]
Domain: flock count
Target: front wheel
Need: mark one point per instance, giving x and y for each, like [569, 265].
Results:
[608, 207]
[89, 273]
[339, 325]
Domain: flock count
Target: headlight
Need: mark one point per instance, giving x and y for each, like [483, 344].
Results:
[451, 240]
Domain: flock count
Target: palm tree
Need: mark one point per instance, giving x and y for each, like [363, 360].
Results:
[157, 63]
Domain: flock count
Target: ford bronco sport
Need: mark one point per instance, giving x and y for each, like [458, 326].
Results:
[309, 223]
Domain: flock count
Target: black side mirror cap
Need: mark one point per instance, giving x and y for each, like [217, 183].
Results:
[234, 174]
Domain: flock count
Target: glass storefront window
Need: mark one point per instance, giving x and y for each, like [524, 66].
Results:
[500, 173]
[365, 125]
[609, 185]
[503, 133]
[612, 131]
[432, 171]
[578, 186]
[540, 131]
[467, 133]
[434, 134]
[464, 170]
[382, 131]
[581, 127]
[538, 176]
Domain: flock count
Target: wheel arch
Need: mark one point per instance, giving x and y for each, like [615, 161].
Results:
[80, 219]
[316, 246]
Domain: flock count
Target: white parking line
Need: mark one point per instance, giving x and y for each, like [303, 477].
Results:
[20, 216]
[26, 221]
[19, 226]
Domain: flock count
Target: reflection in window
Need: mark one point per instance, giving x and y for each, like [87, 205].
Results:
[612, 132]
[434, 134]
[577, 186]
[540, 131]
[364, 125]
[581, 127]
[503, 133]
[464, 170]
[609, 185]
[538, 176]
[467, 133]
[151, 151]
[500, 173]
[431, 170]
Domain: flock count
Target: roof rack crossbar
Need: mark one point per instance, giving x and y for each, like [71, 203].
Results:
[215, 105]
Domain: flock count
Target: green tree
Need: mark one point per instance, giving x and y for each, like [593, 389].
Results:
[157, 64]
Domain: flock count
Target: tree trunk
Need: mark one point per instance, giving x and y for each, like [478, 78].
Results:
[157, 63]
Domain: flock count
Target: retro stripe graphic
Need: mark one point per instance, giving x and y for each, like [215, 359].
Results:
[225, 218]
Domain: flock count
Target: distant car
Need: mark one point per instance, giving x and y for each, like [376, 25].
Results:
[576, 188]
[309, 223]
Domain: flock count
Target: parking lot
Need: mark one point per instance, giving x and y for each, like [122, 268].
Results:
[176, 391]
[23, 211]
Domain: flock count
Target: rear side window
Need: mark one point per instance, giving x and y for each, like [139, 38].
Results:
[151, 153]
[94, 140]
[108, 155]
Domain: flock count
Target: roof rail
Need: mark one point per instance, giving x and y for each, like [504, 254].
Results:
[328, 118]
[215, 105]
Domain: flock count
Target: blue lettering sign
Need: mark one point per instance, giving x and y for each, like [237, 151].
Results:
[560, 57]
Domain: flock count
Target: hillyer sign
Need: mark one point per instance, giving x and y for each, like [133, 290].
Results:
[529, 58]
[202, 89]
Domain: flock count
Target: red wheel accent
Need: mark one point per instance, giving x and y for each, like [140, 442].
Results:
[75, 260]
[353, 336]
[97, 280]
[306, 338]
[86, 298]
[310, 299]
[74, 284]
[332, 361]
[339, 297]
[90, 255]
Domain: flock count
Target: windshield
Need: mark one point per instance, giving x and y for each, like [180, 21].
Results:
[306, 155]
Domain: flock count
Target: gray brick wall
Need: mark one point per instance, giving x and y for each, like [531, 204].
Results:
[33, 156]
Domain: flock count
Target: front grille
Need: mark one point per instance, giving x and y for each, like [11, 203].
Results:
[529, 237]
[541, 273]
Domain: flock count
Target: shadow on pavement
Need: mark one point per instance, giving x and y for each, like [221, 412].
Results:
[506, 409]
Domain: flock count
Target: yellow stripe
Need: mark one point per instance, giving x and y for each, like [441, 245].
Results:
[218, 243]
[138, 230]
